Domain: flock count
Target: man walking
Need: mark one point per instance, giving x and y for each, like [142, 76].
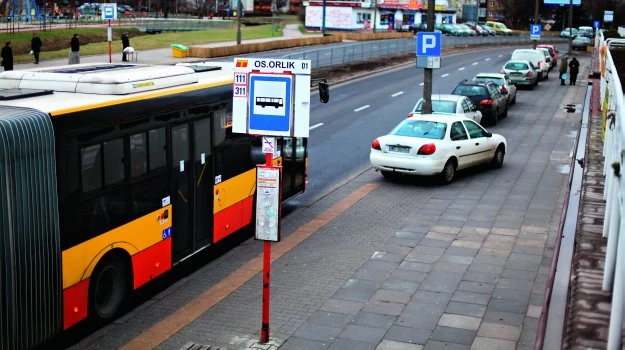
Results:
[574, 69]
[35, 45]
[74, 55]
[125, 44]
[7, 56]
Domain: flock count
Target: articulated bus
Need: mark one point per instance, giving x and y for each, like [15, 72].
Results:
[111, 174]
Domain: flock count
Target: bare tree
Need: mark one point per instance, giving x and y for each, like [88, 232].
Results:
[517, 12]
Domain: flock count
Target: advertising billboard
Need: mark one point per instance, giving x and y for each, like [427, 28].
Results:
[562, 2]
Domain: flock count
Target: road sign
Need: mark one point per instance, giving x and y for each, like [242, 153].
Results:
[269, 144]
[271, 97]
[429, 44]
[109, 11]
[535, 31]
[596, 24]
[608, 16]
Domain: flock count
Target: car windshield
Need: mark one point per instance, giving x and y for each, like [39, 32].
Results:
[516, 66]
[438, 106]
[498, 81]
[424, 129]
[468, 90]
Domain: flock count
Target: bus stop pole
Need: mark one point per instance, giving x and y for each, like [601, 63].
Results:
[264, 330]
[110, 37]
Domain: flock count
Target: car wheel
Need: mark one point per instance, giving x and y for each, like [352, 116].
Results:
[547, 76]
[497, 161]
[505, 113]
[494, 118]
[387, 174]
[449, 172]
[514, 100]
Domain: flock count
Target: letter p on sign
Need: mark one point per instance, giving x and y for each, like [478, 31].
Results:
[428, 44]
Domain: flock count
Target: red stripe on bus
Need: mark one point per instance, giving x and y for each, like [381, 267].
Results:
[233, 218]
[151, 262]
[75, 303]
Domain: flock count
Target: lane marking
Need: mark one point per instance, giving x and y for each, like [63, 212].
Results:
[315, 126]
[488, 59]
[421, 84]
[170, 325]
[397, 94]
[475, 63]
[361, 108]
[445, 75]
[500, 56]
[461, 68]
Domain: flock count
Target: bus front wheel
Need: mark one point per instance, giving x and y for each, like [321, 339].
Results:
[108, 288]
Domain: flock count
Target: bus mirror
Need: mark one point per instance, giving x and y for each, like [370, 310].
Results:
[324, 92]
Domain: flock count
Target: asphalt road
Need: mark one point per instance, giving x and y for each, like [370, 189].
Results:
[361, 110]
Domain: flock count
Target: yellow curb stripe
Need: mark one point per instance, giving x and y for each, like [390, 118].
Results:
[159, 332]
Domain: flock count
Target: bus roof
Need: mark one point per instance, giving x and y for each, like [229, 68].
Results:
[65, 89]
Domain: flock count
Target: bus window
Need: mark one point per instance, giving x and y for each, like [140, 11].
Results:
[138, 155]
[91, 168]
[158, 148]
[113, 161]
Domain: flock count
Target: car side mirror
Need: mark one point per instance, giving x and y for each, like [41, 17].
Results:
[324, 91]
[488, 134]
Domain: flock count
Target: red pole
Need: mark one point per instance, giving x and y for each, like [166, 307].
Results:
[110, 46]
[264, 329]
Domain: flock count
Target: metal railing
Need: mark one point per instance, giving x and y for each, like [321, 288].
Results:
[336, 55]
[613, 116]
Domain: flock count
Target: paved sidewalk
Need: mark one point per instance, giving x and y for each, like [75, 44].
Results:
[159, 56]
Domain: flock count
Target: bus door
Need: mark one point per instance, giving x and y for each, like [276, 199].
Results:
[203, 183]
[182, 200]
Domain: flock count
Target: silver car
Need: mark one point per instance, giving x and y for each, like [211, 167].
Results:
[502, 80]
[450, 104]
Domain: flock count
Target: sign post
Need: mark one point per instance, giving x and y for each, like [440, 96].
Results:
[109, 12]
[271, 97]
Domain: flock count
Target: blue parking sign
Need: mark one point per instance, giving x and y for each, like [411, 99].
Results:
[429, 44]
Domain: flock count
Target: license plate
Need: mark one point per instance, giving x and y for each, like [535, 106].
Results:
[516, 74]
[400, 149]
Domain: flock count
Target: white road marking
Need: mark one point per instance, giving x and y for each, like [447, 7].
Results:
[445, 75]
[361, 108]
[397, 94]
[315, 126]
[500, 56]
[475, 63]
[461, 68]
[421, 84]
[488, 59]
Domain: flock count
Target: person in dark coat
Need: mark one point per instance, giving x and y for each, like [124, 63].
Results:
[7, 56]
[574, 69]
[35, 45]
[74, 54]
[125, 44]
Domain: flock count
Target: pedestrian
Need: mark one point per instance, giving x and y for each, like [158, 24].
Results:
[7, 56]
[125, 44]
[35, 46]
[564, 65]
[74, 54]
[574, 70]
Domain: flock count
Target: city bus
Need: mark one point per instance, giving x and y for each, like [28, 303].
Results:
[110, 175]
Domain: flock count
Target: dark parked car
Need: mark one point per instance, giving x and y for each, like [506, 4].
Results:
[487, 97]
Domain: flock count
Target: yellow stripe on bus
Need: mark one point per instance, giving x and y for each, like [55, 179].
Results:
[133, 237]
[140, 97]
[234, 190]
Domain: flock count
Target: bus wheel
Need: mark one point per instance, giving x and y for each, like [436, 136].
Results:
[108, 288]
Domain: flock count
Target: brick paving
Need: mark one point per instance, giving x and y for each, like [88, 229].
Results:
[411, 265]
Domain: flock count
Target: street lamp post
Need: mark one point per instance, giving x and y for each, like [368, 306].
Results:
[570, 27]
[323, 19]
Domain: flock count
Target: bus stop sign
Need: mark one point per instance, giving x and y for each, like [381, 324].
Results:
[271, 97]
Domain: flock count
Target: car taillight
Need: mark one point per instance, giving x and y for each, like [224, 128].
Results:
[538, 65]
[376, 145]
[427, 149]
[503, 90]
[486, 102]
[409, 115]
[503, 71]
[529, 74]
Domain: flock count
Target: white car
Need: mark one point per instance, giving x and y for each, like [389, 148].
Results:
[450, 104]
[537, 58]
[503, 81]
[436, 145]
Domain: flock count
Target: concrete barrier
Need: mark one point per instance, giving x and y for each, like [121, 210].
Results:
[209, 52]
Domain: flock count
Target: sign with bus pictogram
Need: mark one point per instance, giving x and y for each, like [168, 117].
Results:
[271, 97]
